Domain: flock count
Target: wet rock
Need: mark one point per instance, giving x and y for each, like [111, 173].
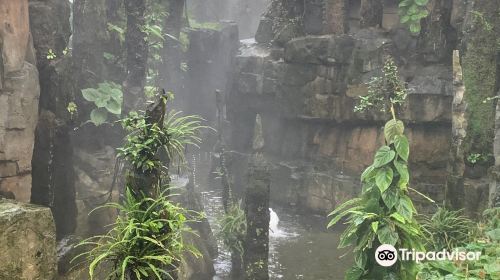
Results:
[18, 117]
[66, 252]
[265, 31]
[314, 17]
[27, 242]
[319, 49]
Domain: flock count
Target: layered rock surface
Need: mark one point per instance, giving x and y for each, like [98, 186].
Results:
[305, 89]
[19, 94]
[27, 241]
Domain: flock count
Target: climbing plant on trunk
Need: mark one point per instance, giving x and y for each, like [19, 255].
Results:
[384, 213]
[146, 241]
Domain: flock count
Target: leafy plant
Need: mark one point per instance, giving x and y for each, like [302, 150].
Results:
[411, 12]
[477, 158]
[108, 98]
[487, 267]
[447, 229]
[145, 139]
[384, 91]
[51, 55]
[233, 228]
[144, 242]
[384, 214]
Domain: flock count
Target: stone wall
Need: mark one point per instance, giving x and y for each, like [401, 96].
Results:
[305, 84]
[19, 94]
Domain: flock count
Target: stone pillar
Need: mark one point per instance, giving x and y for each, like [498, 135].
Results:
[53, 176]
[255, 257]
[494, 195]
[19, 93]
[336, 19]
[456, 165]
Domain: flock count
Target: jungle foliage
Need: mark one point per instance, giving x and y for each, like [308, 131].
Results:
[146, 242]
[233, 227]
[486, 240]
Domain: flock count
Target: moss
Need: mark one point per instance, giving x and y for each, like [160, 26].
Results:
[479, 66]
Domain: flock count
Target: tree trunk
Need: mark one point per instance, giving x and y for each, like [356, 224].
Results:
[137, 54]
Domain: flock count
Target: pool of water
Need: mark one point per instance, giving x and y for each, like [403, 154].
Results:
[301, 247]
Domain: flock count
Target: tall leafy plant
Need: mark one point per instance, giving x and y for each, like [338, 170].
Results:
[384, 213]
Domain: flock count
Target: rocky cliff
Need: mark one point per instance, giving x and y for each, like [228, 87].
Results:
[19, 94]
[303, 75]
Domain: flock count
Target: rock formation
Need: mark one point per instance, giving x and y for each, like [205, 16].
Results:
[303, 77]
[19, 94]
[27, 242]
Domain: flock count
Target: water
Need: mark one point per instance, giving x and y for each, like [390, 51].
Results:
[300, 247]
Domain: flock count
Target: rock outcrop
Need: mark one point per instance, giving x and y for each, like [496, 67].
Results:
[27, 242]
[305, 86]
[19, 94]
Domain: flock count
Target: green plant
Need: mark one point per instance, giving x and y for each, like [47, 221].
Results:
[145, 242]
[72, 109]
[384, 214]
[384, 91]
[233, 228]
[477, 158]
[51, 55]
[487, 267]
[145, 139]
[411, 12]
[447, 229]
[108, 98]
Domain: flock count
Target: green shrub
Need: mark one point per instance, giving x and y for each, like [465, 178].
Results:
[447, 229]
[233, 228]
[145, 241]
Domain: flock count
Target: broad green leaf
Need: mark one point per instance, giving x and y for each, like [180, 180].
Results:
[360, 259]
[390, 198]
[114, 107]
[387, 236]
[374, 226]
[405, 207]
[383, 179]
[117, 95]
[398, 217]
[368, 173]
[102, 101]
[421, 2]
[98, 116]
[404, 3]
[393, 128]
[354, 273]
[404, 175]
[415, 28]
[405, 19]
[383, 156]
[402, 146]
[91, 94]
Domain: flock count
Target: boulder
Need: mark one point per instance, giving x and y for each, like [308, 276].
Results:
[27, 242]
